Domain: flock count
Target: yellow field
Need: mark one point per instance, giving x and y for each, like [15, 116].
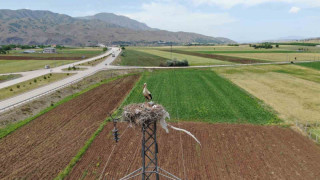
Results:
[292, 91]
[193, 60]
[279, 56]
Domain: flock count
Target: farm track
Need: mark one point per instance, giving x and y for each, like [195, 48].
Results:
[229, 151]
[219, 57]
[38, 58]
[44, 147]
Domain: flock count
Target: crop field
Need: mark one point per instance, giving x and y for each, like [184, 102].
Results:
[44, 146]
[10, 66]
[31, 84]
[242, 49]
[131, 57]
[4, 78]
[202, 95]
[313, 65]
[193, 60]
[228, 151]
[16, 61]
[291, 90]
[224, 58]
[279, 56]
[67, 53]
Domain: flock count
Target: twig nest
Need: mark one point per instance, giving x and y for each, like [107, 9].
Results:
[144, 113]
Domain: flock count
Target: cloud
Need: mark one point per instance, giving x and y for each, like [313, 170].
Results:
[294, 10]
[176, 17]
[231, 3]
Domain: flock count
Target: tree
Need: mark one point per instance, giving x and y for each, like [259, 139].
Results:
[104, 49]
[277, 45]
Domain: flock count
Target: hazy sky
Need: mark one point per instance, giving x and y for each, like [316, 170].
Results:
[240, 20]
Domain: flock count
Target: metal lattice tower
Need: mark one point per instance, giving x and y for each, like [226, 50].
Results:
[149, 152]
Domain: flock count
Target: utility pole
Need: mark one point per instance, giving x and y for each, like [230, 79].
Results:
[149, 155]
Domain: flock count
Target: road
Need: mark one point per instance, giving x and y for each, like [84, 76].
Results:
[55, 85]
[33, 74]
[105, 65]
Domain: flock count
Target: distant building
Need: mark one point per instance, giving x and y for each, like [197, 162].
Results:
[16, 49]
[318, 46]
[49, 50]
[29, 51]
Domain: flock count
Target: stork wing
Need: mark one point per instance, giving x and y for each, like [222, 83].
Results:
[185, 131]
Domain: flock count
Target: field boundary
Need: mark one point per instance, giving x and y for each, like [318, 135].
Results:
[306, 129]
[264, 105]
[12, 127]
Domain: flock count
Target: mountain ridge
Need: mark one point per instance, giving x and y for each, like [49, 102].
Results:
[46, 27]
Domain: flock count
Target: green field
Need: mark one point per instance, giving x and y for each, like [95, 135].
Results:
[9, 77]
[201, 95]
[132, 57]
[10, 66]
[31, 84]
[314, 65]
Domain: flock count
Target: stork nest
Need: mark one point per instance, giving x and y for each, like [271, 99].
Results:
[144, 113]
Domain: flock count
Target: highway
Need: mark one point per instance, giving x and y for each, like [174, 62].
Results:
[79, 75]
[24, 97]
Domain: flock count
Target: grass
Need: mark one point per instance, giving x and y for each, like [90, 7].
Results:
[94, 62]
[316, 131]
[10, 66]
[4, 78]
[291, 90]
[193, 60]
[313, 65]
[132, 57]
[201, 95]
[30, 84]
[74, 69]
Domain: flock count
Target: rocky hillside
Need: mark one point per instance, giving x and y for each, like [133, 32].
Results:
[121, 21]
[45, 27]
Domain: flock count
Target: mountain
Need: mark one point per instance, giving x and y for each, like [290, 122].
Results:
[45, 27]
[119, 20]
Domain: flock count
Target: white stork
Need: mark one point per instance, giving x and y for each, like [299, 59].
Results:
[146, 93]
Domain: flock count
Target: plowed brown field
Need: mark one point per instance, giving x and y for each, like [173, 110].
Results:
[42, 148]
[229, 151]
